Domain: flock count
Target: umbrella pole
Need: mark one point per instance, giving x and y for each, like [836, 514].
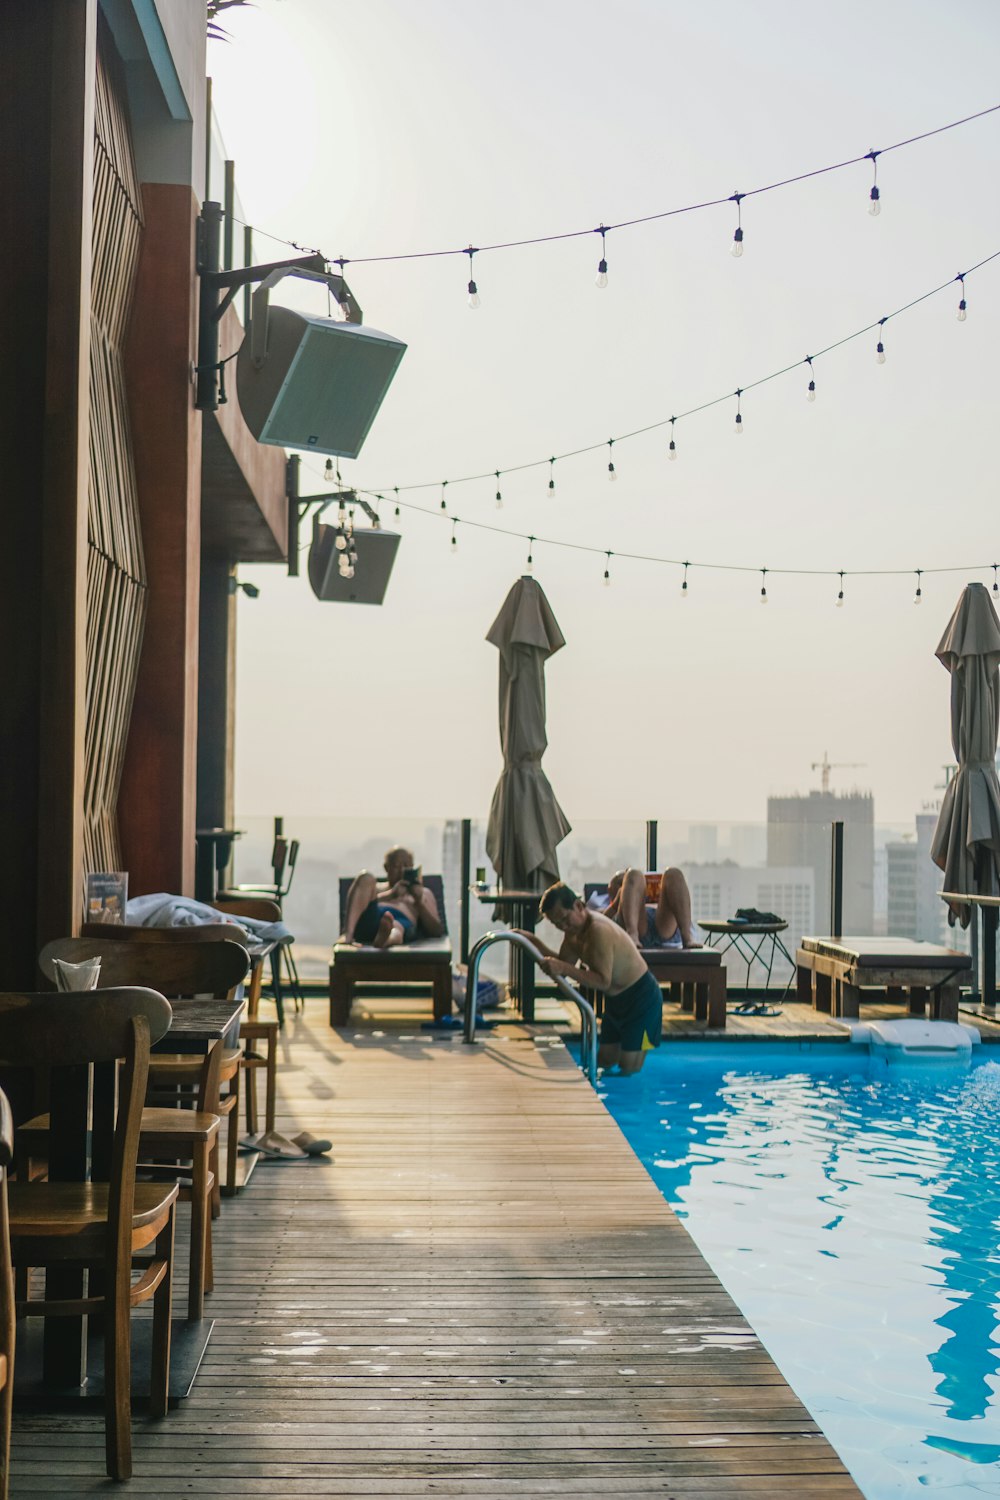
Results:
[989, 959]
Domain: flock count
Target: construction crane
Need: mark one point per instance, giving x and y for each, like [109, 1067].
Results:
[826, 765]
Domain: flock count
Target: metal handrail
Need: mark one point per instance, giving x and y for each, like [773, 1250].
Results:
[588, 1020]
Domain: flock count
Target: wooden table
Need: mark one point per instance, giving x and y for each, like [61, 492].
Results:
[831, 972]
[517, 909]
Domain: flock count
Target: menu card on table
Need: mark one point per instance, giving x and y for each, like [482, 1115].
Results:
[106, 896]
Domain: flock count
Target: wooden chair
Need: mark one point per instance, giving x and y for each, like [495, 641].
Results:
[426, 961]
[99, 1224]
[284, 856]
[253, 1029]
[6, 1298]
[170, 1134]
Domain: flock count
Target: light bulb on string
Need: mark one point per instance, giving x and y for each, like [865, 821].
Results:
[444, 486]
[739, 415]
[552, 475]
[531, 560]
[961, 305]
[672, 446]
[473, 289]
[499, 495]
[611, 463]
[328, 471]
[880, 347]
[737, 249]
[454, 538]
[874, 197]
[607, 570]
[996, 586]
[918, 596]
[601, 279]
[811, 387]
[840, 596]
[684, 582]
[763, 585]
[395, 491]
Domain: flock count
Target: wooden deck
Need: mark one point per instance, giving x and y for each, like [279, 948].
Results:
[482, 1295]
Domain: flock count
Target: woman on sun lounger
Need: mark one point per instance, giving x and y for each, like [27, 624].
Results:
[398, 910]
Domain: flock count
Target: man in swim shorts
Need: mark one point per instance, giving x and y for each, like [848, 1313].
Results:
[395, 911]
[597, 952]
[667, 924]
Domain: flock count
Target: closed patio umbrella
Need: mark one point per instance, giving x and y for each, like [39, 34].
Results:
[966, 842]
[526, 822]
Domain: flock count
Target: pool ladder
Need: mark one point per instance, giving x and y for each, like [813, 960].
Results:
[588, 1021]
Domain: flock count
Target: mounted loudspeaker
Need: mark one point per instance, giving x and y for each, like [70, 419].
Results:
[319, 383]
[376, 553]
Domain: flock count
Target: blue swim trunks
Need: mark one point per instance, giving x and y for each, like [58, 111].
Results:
[634, 1019]
[368, 922]
[652, 938]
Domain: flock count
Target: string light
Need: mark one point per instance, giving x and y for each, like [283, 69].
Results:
[920, 593]
[811, 387]
[474, 299]
[996, 586]
[395, 490]
[607, 570]
[601, 279]
[840, 596]
[875, 197]
[611, 463]
[444, 486]
[880, 347]
[763, 585]
[668, 213]
[328, 471]
[717, 400]
[531, 560]
[737, 249]
[739, 415]
[684, 584]
[454, 538]
[961, 305]
[552, 475]
[499, 495]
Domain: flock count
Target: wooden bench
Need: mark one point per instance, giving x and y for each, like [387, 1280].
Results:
[830, 973]
[426, 961]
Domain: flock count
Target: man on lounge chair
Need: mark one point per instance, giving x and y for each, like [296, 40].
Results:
[398, 910]
[668, 924]
[595, 951]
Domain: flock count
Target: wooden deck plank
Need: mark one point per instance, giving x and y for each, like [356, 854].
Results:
[482, 1295]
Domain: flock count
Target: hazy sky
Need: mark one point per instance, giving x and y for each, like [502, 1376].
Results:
[387, 126]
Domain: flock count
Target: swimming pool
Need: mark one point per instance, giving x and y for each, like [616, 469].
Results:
[852, 1210]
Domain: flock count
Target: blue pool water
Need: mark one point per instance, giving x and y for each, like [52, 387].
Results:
[852, 1210]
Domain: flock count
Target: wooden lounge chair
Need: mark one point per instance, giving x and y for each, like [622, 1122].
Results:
[426, 961]
[832, 972]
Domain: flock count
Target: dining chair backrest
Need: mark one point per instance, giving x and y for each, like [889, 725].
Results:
[175, 969]
[125, 932]
[93, 1026]
[259, 908]
[282, 884]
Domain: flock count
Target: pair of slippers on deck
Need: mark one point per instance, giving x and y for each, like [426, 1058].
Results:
[756, 1008]
[273, 1146]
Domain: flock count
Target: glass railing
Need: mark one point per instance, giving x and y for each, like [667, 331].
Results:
[889, 883]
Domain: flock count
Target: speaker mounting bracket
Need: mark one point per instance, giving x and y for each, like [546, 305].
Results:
[212, 305]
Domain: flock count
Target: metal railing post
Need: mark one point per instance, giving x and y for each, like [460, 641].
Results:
[651, 827]
[836, 879]
[466, 883]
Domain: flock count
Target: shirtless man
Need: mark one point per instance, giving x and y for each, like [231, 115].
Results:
[597, 952]
[396, 911]
[668, 924]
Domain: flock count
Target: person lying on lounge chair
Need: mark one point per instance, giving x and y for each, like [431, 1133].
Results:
[668, 924]
[596, 952]
[396, 911]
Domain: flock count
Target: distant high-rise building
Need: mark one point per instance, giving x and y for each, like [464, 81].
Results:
[798, 833]
[703, 843]
[902, 856]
